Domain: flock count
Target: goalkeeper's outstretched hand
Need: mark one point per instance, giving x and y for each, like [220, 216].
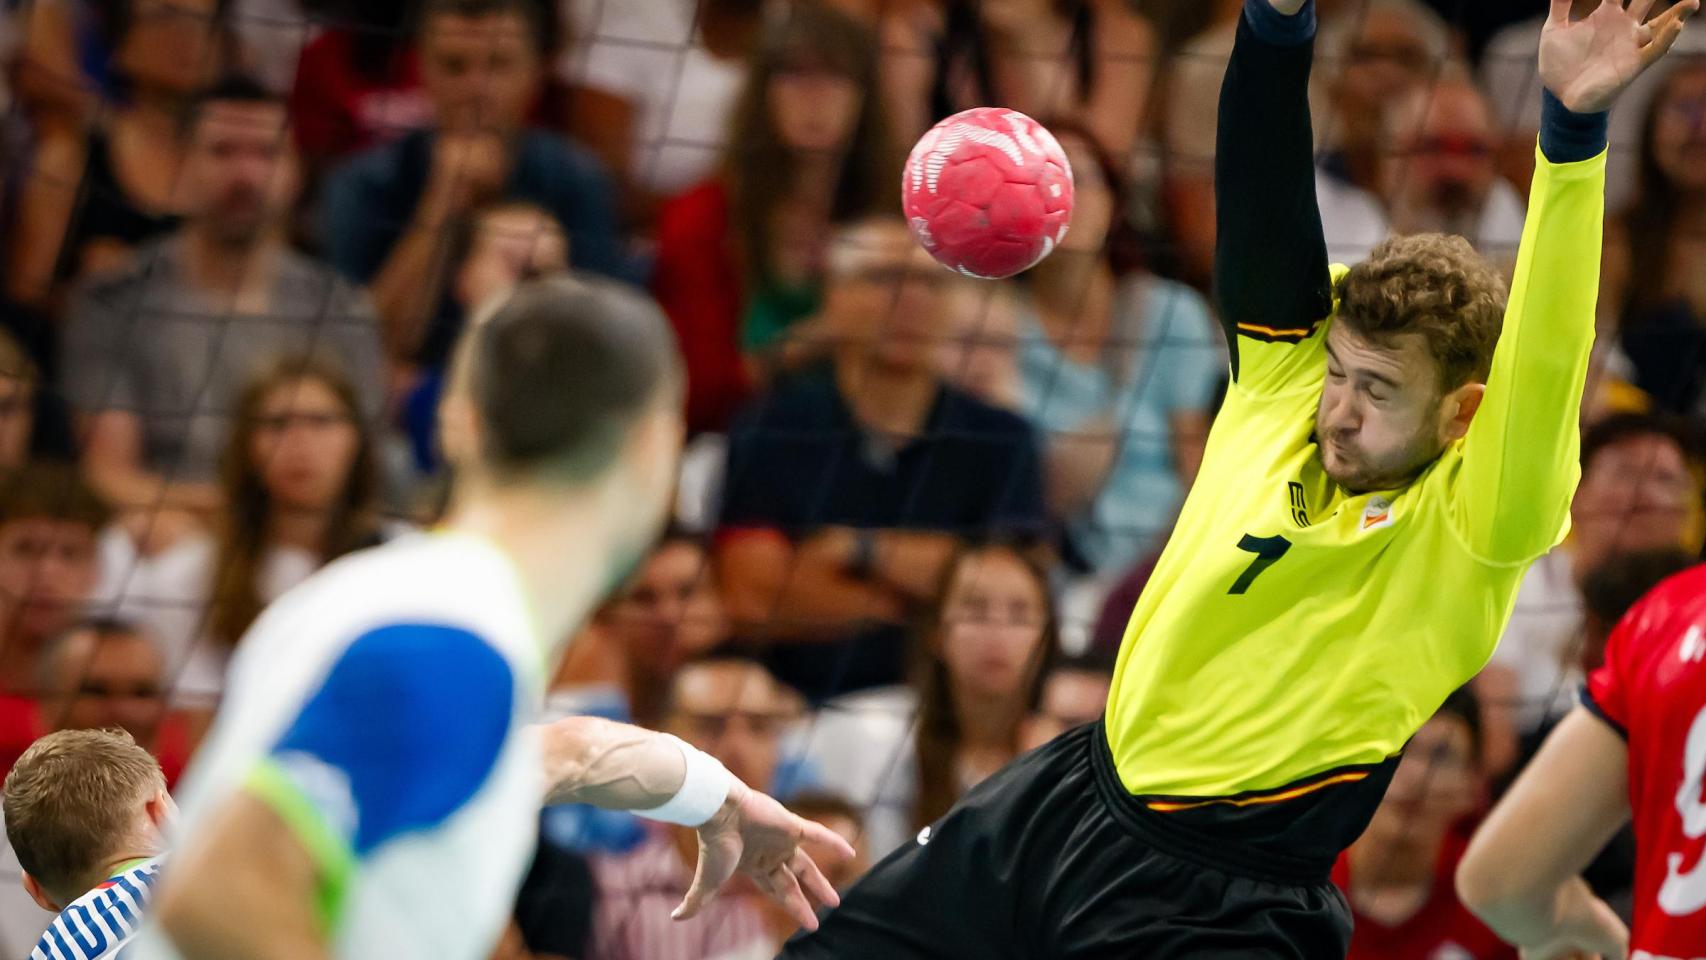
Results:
[1587, 63]
[756, 836]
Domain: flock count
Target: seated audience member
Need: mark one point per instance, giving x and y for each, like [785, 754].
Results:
[86, 814]
[299, 486]
[553, 910]
[49, 523]
[1510, 73]
[1192, 118]
[357, 84]
[1091, 61]
[841, 871]
[1655, 254]
[848, 489]
[1642, 488]
[652, 84]
[1399, 876]
[1439, 171]
[1118, 369]
[734, 710]
[1075, 692]
[385, 214]
[906, 755]
[155, 355]
[740, 258]
[98, 188]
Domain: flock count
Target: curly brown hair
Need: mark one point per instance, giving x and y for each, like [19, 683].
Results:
[1433, 285]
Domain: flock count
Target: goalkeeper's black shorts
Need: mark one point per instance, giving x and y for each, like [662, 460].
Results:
[1052, 858]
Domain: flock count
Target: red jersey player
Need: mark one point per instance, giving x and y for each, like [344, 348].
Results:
[1636, 747]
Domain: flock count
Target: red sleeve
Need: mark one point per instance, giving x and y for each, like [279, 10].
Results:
[697, 282]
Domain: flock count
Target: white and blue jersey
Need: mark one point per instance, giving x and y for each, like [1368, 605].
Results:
[97, 925]
[381, 709]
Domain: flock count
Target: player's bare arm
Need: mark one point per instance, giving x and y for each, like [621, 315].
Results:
[620, 767]
[1522, 874]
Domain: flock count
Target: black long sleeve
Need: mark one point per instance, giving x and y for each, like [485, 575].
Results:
[1270, 258]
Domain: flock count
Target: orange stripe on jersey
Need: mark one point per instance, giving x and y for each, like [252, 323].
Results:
[1292, 794]
[1272, 332]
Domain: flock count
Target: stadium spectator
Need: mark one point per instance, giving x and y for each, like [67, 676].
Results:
[298, 482]
[49, 521]
[847, 489]
[1642, 488]
[740, 258]
[1188, 134]
[1084, 59]
[1439, 172]
[906, 754]
[1511, 76]
[1075, 692]
[735, 711]
[1655, 254]
[384, 214]
[20, 399]
[624, 662]
[1399, 875]
[652, 84]
[1118, 369]
[837, 814]
[358, 84]
[87, 813]
[156, 354]
[98, 190]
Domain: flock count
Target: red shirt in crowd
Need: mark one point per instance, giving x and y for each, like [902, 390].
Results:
[338, 108]
[697, 280]
[1652, 690]
[21, 724]
[1443, 929]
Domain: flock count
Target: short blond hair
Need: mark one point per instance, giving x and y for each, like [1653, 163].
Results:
[71, 800]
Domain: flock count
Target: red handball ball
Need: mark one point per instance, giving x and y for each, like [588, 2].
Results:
[988, 192]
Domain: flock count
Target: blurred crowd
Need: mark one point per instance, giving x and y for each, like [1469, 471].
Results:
[240, 237]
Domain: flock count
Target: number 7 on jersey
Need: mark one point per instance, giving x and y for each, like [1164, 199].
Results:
[1268, 550]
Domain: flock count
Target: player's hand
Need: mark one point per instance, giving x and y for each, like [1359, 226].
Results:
[1587, 63]
[756, 836]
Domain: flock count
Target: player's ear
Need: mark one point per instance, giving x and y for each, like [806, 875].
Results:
[39, 895]
[161, 811]
[1458, 409]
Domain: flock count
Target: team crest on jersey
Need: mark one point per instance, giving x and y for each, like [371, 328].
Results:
[1299, 508]
[1377, 514]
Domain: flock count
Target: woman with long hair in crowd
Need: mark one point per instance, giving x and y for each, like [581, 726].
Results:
[906, 754]
[1655, 254]
[740, 258]
[1091, 60]
[300, 481]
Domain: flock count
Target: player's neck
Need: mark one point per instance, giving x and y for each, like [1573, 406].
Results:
[560, 548]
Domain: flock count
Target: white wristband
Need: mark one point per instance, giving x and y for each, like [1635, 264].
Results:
[702, 791]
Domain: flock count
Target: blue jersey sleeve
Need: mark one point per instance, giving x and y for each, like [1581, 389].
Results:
[401, 734]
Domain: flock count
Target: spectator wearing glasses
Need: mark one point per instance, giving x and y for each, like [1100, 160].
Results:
[848, 489]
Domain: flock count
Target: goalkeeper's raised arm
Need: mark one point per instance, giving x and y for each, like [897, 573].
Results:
[1270, 267]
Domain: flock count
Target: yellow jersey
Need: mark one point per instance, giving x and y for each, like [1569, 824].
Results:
[1295, 635]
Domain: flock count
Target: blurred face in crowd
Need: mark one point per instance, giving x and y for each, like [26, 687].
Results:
[1635, 495]
[1382, 417]
[240, 171]
[1679, 127]
[1092, 200]
[511, 244]
[736, 712]
[107, 679]
[887, 299]
[994, 625]
[481, 72]
[304, 445]
[813, 106]
[670, 611]
[1070, 698]
[1435, 785]
[1442, 167]
[47, 573]
[1386, 58]
[171, 46]
[17, 419]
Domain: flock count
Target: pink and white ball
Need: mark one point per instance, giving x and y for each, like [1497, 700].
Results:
[988, 192]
